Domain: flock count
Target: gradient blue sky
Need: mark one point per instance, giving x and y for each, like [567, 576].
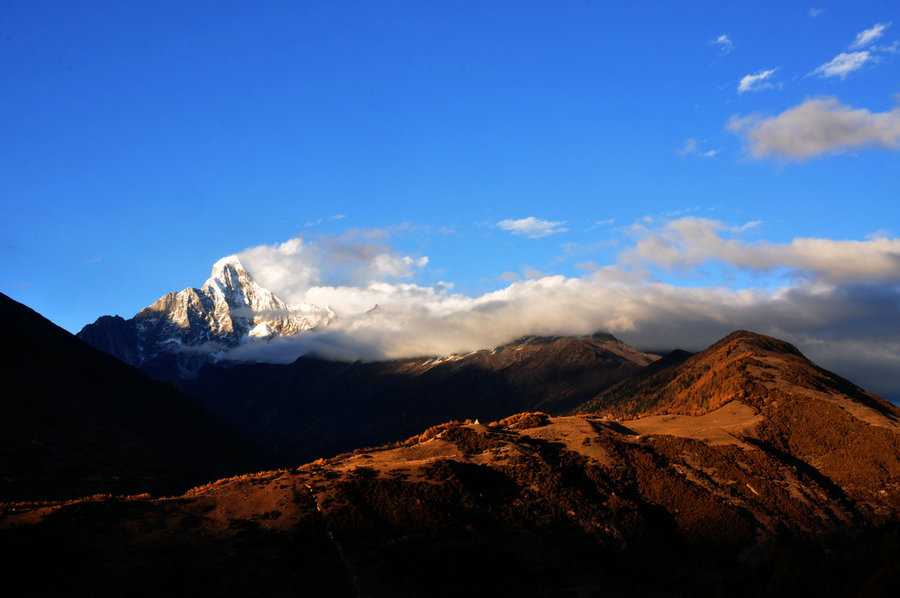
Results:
[140, 142]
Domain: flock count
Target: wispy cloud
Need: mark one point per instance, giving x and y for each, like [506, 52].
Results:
[532, 227]
[757, 81]
[864, 38]
[723, 42]
[814, 12]
[843, 64]
[692, 147]
[817, 127]
[318, 221]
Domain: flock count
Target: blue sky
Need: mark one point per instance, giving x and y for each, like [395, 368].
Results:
[140, 142]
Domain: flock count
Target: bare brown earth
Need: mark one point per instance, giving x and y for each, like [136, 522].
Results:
[529, 506]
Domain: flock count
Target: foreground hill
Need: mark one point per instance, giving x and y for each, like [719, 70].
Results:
[727, 499]
[314, 408]
[532, 506]
[75, 421]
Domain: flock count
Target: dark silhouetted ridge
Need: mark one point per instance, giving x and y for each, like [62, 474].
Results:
[76, 421]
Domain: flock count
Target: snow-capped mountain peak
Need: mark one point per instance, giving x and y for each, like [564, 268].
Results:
[230, 309]
[229, 273]
[232, 288]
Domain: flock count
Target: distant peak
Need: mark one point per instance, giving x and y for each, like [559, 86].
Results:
[760, 341]
[604, 336]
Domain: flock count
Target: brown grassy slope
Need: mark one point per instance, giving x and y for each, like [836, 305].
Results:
[850, 435]
[531, 506]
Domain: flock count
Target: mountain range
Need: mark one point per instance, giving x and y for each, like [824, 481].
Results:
[315, 408]
[549, 466]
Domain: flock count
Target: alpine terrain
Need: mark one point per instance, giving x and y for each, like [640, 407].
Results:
[744, 470]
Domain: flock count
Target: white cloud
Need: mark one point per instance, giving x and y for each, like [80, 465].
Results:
[355, 257]
[836, 299]
[691, 242]
[843, 64]
[756, 82]
[532, 227]
[817, 127]
[724, 44]
[864, 38]
[814, 12]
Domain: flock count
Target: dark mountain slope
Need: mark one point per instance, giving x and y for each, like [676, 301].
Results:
[314, 408]
[76, 421]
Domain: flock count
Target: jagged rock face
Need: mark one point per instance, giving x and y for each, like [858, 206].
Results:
[185, 329]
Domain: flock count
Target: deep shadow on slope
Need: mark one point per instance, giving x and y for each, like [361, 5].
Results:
[315, 408]
[75, 421]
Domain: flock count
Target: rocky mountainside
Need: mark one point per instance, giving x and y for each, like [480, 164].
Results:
[729, 497]
[75, 421]
[182, 330]
[314, 408]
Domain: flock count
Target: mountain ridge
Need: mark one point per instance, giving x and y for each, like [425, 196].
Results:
[324, 407]
[806, 412]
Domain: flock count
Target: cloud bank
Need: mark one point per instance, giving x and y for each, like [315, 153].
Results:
[817, 127]
[838, 300]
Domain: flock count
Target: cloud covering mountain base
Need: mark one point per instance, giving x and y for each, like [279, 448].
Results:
[835, 299]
